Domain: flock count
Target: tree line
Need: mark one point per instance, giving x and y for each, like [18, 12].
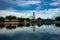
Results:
[27, 19]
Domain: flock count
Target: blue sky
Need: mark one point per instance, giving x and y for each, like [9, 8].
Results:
[46, 8]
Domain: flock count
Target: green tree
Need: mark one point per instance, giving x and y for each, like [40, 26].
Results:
[57, 18]
[39, 18]
[21, 19]
[10, 17]
[1, 19]
[27, 19]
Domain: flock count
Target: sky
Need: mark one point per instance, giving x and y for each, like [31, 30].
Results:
[25, 8]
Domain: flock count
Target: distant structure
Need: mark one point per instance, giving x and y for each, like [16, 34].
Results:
[34, 20]
[33, 15]
[34, 28]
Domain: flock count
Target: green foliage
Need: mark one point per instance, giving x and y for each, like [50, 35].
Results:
[27, 19]
[39, 19]
[57, 18]
[11, 17]
[1, 19]
[20, 19]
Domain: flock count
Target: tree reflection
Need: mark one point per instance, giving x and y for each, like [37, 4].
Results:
[10, 27]
[1, 26]
[57, 25]
[32, 24]
[39, 25]
[27, 25]
[21, 25]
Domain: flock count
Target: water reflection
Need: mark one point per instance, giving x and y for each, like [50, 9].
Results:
[13, 26]
[30, 31]
[58, 25]
[1, 26]
[10, 27]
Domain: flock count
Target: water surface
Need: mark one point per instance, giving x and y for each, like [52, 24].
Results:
[44, 32]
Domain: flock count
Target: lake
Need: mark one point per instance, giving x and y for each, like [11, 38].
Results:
[43, 32]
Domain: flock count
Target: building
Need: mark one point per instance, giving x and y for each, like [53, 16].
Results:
[11, 22]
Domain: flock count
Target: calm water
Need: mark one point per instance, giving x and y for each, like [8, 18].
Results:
[44, 32]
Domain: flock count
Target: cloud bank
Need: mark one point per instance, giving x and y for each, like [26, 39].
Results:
[21, 8]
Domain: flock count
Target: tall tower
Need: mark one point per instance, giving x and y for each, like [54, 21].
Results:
[34, 28]
[33, 21]
[33, 15]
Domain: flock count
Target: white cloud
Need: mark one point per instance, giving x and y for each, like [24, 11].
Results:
[50, 13]
[7, 13]
[55, 3]
[23, 3]
[27, 3]
[56, 12]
